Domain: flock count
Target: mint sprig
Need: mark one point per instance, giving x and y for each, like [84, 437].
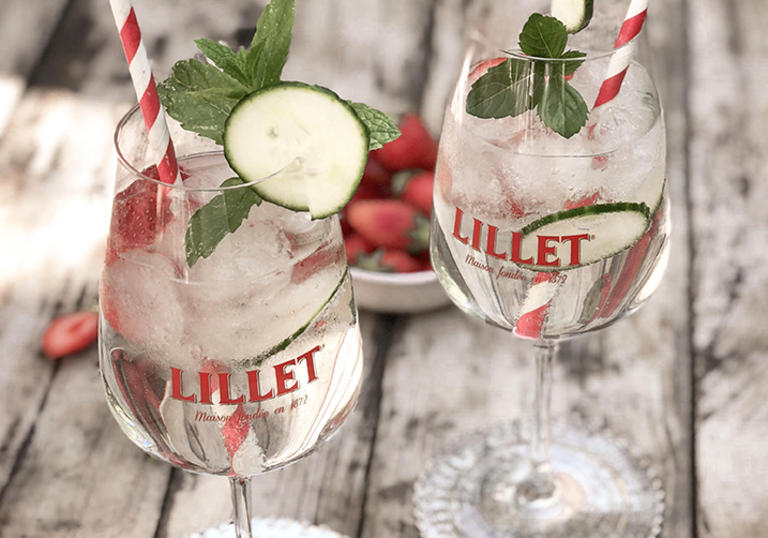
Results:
[516, 85]
[202, 95]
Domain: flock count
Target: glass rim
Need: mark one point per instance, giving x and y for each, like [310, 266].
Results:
[123, 160]
[591, 55]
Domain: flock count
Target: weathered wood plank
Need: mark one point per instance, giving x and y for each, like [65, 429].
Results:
[66, 468]
[634, 375]
[728, 155]
[26, 28]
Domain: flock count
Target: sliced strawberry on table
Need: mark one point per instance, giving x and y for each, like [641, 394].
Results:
[415, 187]
[356, 244]
[70, 333]
[387, 260]
[415, 148]
[390, 224]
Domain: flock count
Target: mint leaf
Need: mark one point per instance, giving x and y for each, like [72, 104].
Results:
[562, 108]
[265, 60]
[224, 58]
[543, 37]
[571, 66]
[504, 90]
[222, 215]
[381, 129]
[200, 97]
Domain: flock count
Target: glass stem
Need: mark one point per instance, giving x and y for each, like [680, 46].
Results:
[241, 501]
[544, 353]
[540, 486]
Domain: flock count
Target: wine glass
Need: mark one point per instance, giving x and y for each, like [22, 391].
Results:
[236, 363]
[548, 236]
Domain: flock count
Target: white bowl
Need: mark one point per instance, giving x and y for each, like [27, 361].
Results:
[397, 293]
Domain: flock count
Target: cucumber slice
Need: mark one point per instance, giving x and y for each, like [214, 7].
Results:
[575, 14]
[308, 142]
[609, 229]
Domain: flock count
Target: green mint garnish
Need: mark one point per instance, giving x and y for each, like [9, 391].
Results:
[201, 97]
[516, 86]
[543, 37]
[222, 215]
[380, 127]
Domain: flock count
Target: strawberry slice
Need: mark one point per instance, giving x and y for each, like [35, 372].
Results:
[235, 430]
[70, 333]
[482, 67]
[414, 149]
[582, 202]
[390, 224]
[389, 261]
[139, 213]
[326, 255]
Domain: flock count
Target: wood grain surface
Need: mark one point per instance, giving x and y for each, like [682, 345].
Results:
[683, 380]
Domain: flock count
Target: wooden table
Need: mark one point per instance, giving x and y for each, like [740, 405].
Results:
[685, 379]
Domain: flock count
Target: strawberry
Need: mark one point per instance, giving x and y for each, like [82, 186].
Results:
[482, 67]
[70, 333]
[415, 148]
[417, 191]
[586, 201]
[389, 261]
[325, 255]
[355, 245]
[139, 213]
[390, 224]
[375, 174]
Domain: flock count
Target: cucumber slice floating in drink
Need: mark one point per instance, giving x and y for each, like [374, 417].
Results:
[575, 14]
[583, 235]
[308, 142]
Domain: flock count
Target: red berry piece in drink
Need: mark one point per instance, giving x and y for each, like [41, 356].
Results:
[582, 202]
[481, 68]
[324, 256]
[70, 333]
[415, 148]
[390, 224]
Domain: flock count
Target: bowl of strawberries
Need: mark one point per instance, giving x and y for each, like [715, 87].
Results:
[386, 225]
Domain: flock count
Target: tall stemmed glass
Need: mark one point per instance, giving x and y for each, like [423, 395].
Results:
[243, 362]
[547, 237]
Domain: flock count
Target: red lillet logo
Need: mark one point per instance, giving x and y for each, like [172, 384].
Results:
[546, 245]
[261, 385]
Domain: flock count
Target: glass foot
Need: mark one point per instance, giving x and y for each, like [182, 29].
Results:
[483, 486]
[273, 528]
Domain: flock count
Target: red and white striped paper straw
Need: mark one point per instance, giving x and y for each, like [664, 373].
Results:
[543, 288]
[617, 68]
[146, 90]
